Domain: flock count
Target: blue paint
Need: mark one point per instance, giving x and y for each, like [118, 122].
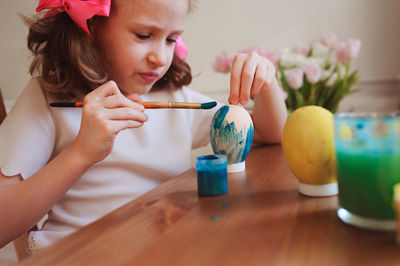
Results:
[212, 179]
[219, 119]
[249, 141]
[213, 218]
[212, 183]
[227, 140]
[208, 105]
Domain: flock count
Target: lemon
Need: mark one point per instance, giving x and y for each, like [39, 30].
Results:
[308, 145]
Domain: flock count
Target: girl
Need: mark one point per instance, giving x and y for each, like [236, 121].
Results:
[76, 164]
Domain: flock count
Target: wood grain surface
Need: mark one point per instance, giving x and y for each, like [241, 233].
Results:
[263, 220]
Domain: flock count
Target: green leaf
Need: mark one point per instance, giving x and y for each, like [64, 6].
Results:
[299, 98]
[353, 78]
[306, 90]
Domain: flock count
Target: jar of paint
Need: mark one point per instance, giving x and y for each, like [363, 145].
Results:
[212, 177]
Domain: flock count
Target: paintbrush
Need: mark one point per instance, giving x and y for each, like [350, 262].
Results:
[149, 105]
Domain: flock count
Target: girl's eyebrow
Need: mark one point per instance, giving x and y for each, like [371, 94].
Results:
[154, 28]
[178, 32]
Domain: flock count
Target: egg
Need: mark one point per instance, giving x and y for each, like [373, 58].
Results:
[231, 133]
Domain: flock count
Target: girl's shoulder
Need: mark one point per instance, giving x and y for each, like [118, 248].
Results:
[33, 84]
[33, 92]
[31, 104]
[27, 134]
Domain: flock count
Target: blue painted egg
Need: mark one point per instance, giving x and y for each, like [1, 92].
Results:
[231, 133]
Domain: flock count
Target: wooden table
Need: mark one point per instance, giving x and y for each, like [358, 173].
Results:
[263, 220]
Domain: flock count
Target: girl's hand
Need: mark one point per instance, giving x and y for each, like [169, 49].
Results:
[105, 113]
[251, 73]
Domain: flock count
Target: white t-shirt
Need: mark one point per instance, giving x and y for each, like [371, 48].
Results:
[142, 158]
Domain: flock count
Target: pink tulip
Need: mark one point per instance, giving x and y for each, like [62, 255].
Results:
[222, 63]
[294, 77]
[348, 50]
[301, 49]
[329, 39]
[313, 73]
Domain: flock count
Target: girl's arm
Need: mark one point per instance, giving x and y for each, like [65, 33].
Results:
[23, 203]
[269, 114]
[254, 76]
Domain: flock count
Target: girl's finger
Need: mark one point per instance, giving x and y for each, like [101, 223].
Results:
[260, 78]
[107, 89]
[134, 97]
[271, 71]
[247, 79]
[126, 113]
[115, 126]
[119, 100]
[236, 73]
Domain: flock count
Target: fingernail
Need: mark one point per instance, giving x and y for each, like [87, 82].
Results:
[244, 102]
[234, 101]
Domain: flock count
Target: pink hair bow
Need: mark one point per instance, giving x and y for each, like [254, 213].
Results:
[79, 10]
[180, 48]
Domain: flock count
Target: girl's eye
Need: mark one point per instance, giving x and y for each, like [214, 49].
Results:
[142, 36]
[171, 40]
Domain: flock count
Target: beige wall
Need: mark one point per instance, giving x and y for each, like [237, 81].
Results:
[229, 25]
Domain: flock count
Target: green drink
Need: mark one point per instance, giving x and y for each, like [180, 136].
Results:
[368, 166]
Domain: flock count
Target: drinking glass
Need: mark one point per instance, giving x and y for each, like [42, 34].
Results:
[368, 166]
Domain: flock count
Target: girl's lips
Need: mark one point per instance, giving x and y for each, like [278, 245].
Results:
[149, 76]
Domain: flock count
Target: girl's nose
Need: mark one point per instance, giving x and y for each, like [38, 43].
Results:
[158, 56]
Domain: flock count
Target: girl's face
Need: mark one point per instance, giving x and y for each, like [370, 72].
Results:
[138, 41]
